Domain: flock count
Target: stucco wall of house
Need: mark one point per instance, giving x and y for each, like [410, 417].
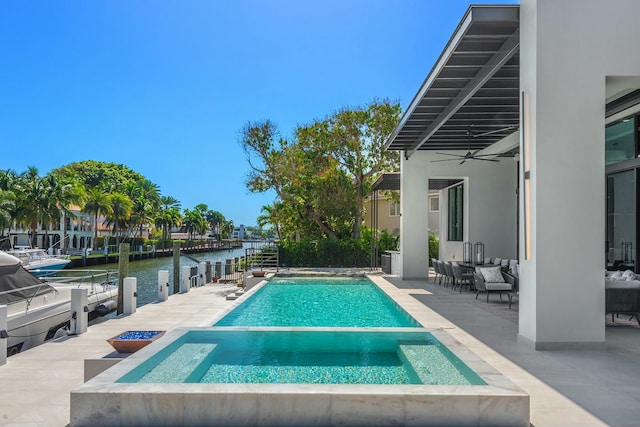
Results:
[567, 50]
[386, 221]
[489, 214]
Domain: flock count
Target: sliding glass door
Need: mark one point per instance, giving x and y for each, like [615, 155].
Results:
[621, 242]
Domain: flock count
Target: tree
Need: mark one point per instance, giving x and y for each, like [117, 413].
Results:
[110, 177]
[169, 215]
[7, 207]
[293, 171]
[270, 216]
[62, 195]
[146, 200]
[32, 204]
[119, 214]
[322, 175]
[194, 222]
[355, 138]
[8, 186]
[97, 202]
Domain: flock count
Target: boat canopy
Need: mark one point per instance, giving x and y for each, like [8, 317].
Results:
[16, 283]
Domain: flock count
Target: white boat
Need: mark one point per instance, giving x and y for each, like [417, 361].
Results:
[39, 309]
[38, 261]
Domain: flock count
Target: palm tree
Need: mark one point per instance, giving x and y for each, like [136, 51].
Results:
[215, 220]
[61, 196]
[168, 218]
[167, 202]
[97, 202]
[7, 208]
[270, 216]
[32, 202]
[195, 222]
[120, 213]
[169, 215]
[146, 201]
[226, 229]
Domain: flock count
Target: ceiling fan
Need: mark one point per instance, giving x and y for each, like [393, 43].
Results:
[473, 155]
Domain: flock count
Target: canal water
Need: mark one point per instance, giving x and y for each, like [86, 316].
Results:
[146, 270]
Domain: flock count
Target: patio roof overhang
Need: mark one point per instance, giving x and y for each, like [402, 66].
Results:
[390, 181]
[470, 99]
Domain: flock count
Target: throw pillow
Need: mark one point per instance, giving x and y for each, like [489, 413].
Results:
[616, 275]
[492, 275]
[628, 275]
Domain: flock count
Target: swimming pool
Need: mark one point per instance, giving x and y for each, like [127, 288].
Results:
[305, 357]
[319, 301]
[303, 375]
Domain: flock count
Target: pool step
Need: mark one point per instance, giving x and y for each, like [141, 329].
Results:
[430, 364]
[181, 365]
[236, 294]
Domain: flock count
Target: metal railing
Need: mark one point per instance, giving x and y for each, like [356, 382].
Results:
[266, 257]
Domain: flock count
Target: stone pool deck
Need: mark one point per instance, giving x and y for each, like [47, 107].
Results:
[37, 383]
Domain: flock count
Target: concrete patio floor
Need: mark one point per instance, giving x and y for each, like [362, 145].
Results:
[604, 383]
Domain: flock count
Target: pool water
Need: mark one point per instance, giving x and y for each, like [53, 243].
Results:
[309, 357]
[324, 301]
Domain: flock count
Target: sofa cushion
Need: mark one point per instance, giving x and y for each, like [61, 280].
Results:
[493, 286]
[492, 275]
[621, 284]
[616, 275]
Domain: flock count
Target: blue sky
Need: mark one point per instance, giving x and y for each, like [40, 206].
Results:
[165, 86]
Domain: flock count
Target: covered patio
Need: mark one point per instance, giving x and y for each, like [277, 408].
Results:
[567, 387]
[516, 107]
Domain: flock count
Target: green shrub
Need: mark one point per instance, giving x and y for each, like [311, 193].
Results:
[434, 244]
[324, 253]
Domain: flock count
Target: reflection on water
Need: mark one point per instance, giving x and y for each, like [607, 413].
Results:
[146, 271]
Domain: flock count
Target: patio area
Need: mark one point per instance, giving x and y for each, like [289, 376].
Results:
[603, 382]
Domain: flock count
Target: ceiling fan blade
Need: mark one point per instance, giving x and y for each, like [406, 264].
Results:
[444, 160]
[449, 154]
[485, 160]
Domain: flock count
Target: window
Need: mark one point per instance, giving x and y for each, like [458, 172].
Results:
[434, 204]
[620, 142]
[455, 213]
[394, 208]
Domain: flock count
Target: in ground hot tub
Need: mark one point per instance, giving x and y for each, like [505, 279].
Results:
[301, 376]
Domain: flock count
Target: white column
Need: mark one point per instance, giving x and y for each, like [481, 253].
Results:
[414, 208]
[79, 311]
[130, 296]
[163, 285]
[185, 279]
[202, 269]
[3, 328]
[567, 50]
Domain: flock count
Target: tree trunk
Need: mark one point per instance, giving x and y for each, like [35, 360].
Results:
[34, 234]
[328, 231]
[63, 245]
[357, 218]
[95, 233]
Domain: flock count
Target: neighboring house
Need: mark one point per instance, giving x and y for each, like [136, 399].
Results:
[239, 232]
[538, 135]
[388, 212]
[78, 231]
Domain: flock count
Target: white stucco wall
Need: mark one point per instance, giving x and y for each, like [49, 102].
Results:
[567, 50]
[489, 208]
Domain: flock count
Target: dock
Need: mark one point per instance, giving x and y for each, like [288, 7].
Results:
[36, 384]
